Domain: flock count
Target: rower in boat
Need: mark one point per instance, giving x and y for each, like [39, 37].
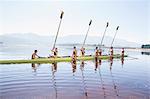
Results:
[75, 52]
[74, 59]
[122, 52]
[55, 52]
[96, 54]
[111, 53]
[100, 52]
[34, 55]
[82, 51]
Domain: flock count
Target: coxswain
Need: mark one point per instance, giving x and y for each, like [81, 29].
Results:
[82, 51]
[34, 55]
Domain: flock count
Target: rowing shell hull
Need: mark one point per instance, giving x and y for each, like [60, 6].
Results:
[59, 59]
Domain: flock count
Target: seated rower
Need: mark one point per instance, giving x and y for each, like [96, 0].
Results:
[100, 52]
[111, 53]
[82, 51]
[74, 58]
[34, 55]
[75, 52]
[122, 52]
[96, 54]
[55, 52]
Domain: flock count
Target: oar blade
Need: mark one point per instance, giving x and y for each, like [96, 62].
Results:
[117, 28]
[90, 22]
[107, 24]
[61, 16]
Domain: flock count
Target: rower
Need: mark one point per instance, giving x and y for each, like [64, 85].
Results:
[75, 52]
[111, 53]
[74, 59]
[55, 52]
[82, 51]
[100, 52]
[34, 55]
[96, 54]
[122, 52]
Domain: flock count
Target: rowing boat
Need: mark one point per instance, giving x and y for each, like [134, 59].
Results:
[58, 59]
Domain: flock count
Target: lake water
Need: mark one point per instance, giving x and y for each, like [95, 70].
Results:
[128, 79]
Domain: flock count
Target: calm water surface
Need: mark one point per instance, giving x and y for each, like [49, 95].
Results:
[128, 79]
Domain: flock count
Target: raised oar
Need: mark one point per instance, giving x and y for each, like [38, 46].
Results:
[114, 36]
[103, 36]
[87, 33]
[61, 16]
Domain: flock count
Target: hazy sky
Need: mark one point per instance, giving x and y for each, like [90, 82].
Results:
[42, 17]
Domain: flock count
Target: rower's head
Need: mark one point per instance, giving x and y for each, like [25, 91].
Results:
[74, 47]
[111, 47]
[35, 51]
[55, 49]
[96, 47]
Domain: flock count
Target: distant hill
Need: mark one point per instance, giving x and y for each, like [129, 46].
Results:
[31, 38]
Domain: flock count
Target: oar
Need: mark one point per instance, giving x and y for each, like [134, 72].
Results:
[61, 16]
[103, 36]
[87, 33]
[114, 36]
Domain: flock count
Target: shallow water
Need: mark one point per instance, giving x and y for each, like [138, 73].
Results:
[128, 79]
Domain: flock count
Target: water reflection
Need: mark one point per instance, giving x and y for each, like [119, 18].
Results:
[74, 66]
[102, 82]
[54, 69]
[122, 61]
[145, 53]
[83, 80]
[35, 66]
[113, 81]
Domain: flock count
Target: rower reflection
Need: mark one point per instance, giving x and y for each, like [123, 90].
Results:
[74, 63]
[111, 63]
[122, 61]
[96, 64]
[35, 66]
[54, 69]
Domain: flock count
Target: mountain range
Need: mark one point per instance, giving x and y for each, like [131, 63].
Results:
[33, 39]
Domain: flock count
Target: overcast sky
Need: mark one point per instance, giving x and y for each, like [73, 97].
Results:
[42, 17]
